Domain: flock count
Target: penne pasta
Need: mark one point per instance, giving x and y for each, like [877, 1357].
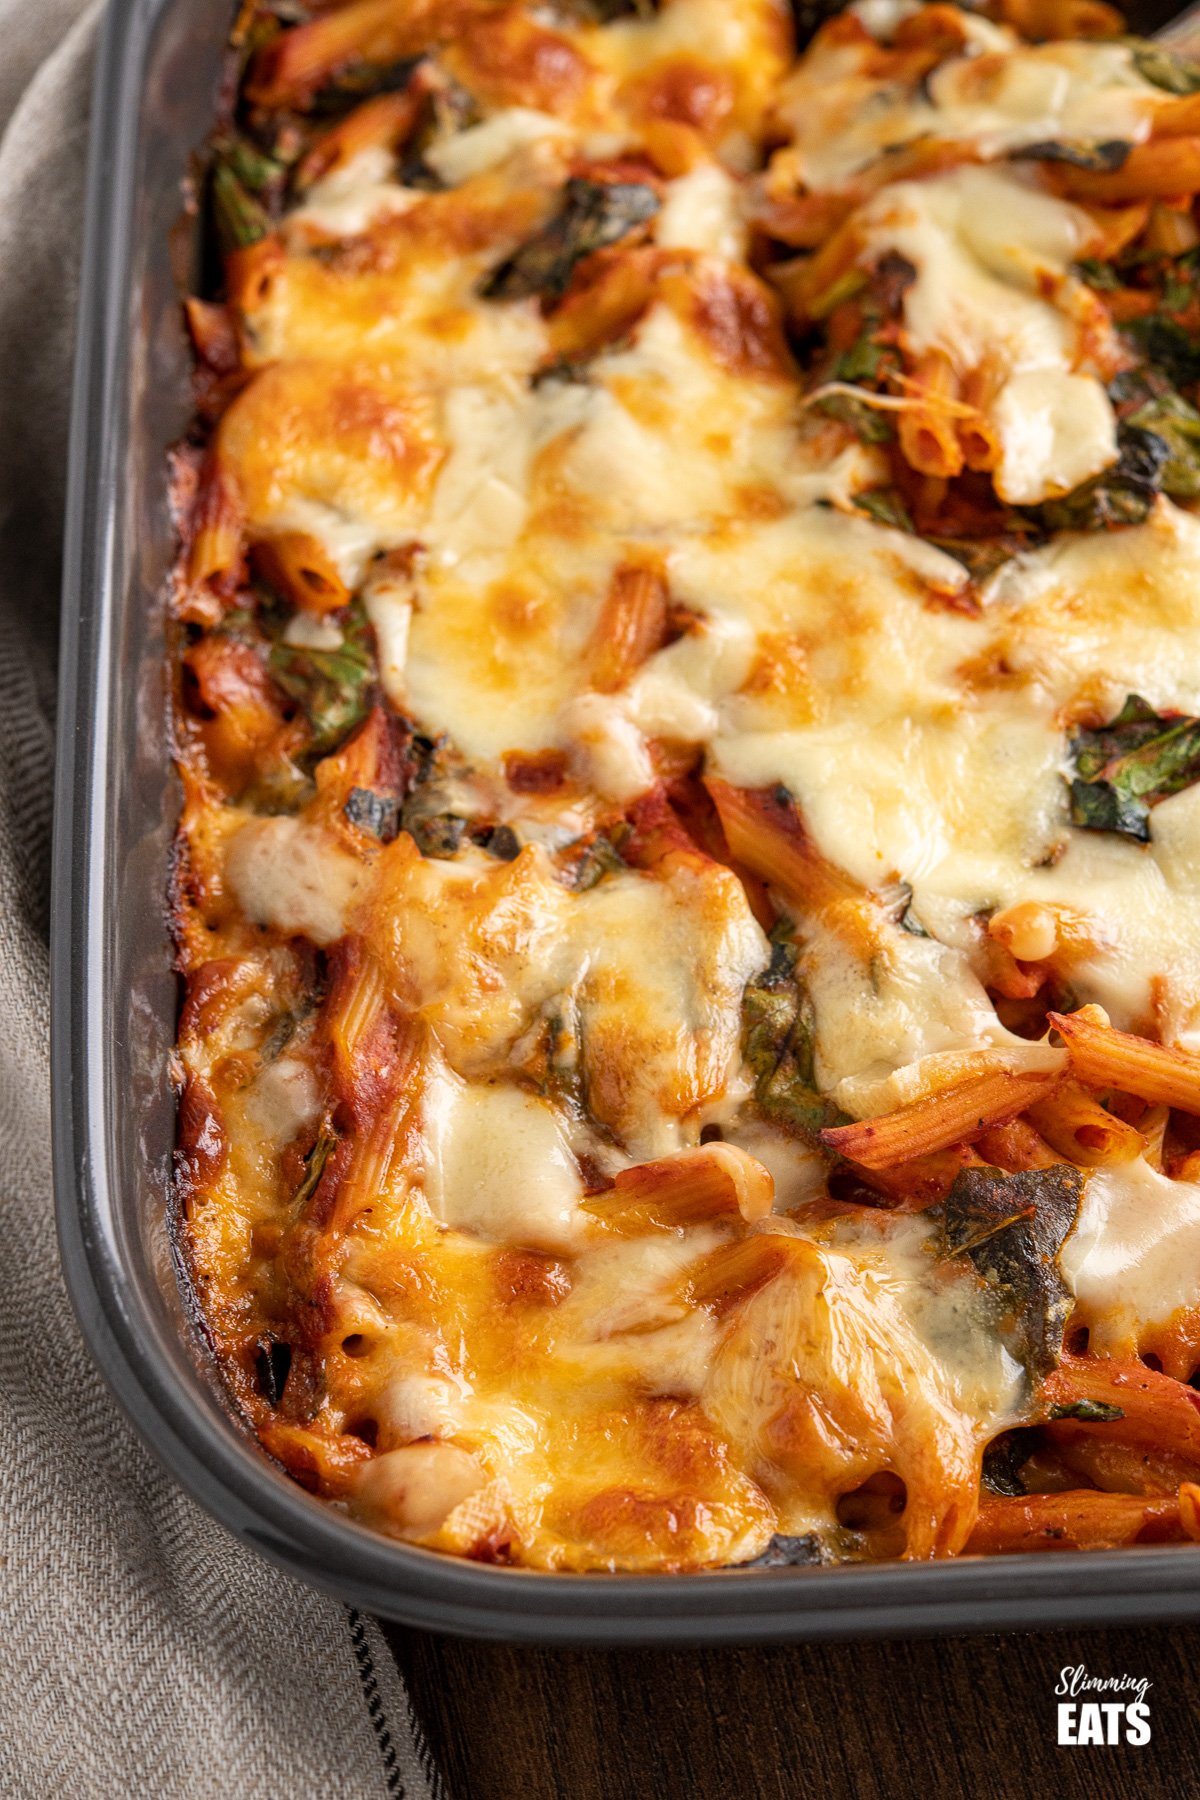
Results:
[715, 1181]
[1102, 1057]
[1155, 1411]
[632, 625]
[216, 543]
[1078, 1520]
[930, 432]
[955, 1115]
[662, 534]
[764, 831]
[301, 570]
[289, 69]
[738, 1270]
[1015, 1146]
[1155, 170]
[1072, 1122]
[386, 121]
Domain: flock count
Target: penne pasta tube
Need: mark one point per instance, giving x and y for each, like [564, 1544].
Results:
[1115, 228]
[1015, 1146]
[955, 1115]
[929, 431]
[765, 831]
[354, 1006]
[1076, 1124]
[607, 296]
[1042, 19]
[1102, 1057]
[289, 69]
[632, 625]
[385, 121]
[1080, 1519]
[1156, 1411]
[301, 570]
[715, 1181]
[1152, 1128]
[216, 545]
[739, 1269]
[1155, 170]
[1176, 116]
[978, 438]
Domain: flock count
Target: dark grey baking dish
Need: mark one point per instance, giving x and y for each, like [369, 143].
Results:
[115, 1000]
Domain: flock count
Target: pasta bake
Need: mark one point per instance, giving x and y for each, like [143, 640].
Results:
[687, 696]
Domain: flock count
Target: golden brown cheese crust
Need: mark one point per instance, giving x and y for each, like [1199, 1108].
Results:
[628, 658]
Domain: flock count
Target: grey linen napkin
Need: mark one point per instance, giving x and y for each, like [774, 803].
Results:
[145, 1653]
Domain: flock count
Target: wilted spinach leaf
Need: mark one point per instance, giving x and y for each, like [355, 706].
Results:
[1178, 425]
[1004, 1459]
[1109, 154]
[503, 843]
[435, 810]
[789, 1553]
[600, 858]
[1121, 494]
[886, 507]
[1097, 274]
[240, 219]
[592, 214]
[867, 422]
[777, 1042]
[1167, 347]
[314, 1168]
[436, 834]
[1012, 1228]
[272, 1364]
[1091, 1412]
[1165, 69]
[1125, 768]
[360, 80]
[332, 687]
[378, 814]
[981, 557]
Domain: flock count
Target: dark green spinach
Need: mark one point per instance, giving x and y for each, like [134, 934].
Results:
[1122, 770]
[778, 1044]
[1122, 494]
[1011, 1227]
[1165, 69]
[331, 687]
[592, 214]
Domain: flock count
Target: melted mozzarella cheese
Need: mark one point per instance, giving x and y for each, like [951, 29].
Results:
[992, 255]
[459, 155]
[645, 976]
[499, 1164]
[998, 97]
[347, 201]
[863, 1360]
[293, 877]
[1131, 1260]
[912, 1019]
[283, 1097]
[700, 212]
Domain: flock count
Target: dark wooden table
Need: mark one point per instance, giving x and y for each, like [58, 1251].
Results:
[964, 1717]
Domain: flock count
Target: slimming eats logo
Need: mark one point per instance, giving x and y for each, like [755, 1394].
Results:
[1110, 1720]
